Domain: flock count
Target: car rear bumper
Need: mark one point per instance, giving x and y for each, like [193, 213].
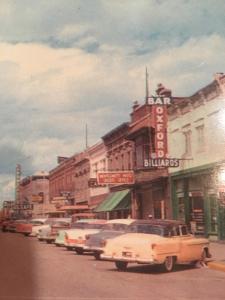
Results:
[129, 259]
[93, 249]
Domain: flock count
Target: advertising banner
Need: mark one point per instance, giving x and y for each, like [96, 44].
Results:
[124, 177]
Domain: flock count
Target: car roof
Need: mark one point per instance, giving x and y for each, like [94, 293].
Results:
[98, 221]
[159, 222]
[121, 221]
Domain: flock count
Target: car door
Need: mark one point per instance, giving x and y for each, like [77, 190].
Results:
[190, 249]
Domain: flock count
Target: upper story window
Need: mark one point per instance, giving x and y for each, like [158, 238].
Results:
[122, 162]
[187, 142]
[142, 150]
[103, 165]
[200, 137]
[129, 165]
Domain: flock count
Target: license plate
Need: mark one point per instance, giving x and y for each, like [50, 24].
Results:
[127, 254]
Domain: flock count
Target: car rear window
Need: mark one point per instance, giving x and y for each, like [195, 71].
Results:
[115, 227]
[148, 229]
[37, 222]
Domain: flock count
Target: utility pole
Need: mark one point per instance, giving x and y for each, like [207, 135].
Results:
[146, 86]
[86, 135]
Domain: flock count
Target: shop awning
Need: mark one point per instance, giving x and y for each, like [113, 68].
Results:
[115, 201]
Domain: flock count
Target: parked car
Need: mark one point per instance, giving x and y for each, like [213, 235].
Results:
[113, 228]
[79, 224]
[75, 238]
[156, 242]
[12, 225]
[49, 234]
[26, 227]
[5, 224]
[36, 229]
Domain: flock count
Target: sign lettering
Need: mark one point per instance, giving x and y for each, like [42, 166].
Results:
[124, 177]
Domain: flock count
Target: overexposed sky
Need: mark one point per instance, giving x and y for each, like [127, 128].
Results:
[65, 63]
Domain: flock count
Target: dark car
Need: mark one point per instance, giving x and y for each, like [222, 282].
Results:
[113, 228]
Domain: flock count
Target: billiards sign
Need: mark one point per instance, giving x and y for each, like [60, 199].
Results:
[159, 120]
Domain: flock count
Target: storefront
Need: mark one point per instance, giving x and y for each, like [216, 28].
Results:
[117, 205]
[199, 199]
[150, 199]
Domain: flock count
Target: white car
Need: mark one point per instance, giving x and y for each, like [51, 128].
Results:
[46, 223]
[75, 238]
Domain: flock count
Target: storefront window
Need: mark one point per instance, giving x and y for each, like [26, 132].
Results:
[213, 214]
[181, 210]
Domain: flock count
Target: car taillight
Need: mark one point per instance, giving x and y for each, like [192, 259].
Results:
[154, 246]
[103, 243]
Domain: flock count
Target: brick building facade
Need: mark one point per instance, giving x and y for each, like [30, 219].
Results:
[35, 190]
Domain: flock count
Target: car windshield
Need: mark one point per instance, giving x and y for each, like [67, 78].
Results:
[115, 227]
[49, 221]
[148, 229]
[36, 222]
[61, 223]
[78, 225]
[93, 226]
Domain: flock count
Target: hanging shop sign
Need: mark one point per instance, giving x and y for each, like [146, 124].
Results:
[162, 162]
[159, 117]
[123, 177]
[23, 206]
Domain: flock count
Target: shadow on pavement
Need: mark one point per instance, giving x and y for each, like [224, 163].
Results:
[16, 267]
[153, 269]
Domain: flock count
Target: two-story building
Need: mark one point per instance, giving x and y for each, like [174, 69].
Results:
[196, 135]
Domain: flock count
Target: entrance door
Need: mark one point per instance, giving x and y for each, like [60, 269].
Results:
[197, 214]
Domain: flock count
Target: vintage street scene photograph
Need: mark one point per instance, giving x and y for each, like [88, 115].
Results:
[112, 150]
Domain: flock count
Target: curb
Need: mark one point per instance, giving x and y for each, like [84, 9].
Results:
[217, 265]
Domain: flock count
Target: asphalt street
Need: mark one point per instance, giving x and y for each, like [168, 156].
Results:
[30, 269]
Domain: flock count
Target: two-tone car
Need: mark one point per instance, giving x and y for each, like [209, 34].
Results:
[75, 239]
[79, 224]
[113, 228]
[13, 225]
[27, 226]
[49, 233]
[156, 242]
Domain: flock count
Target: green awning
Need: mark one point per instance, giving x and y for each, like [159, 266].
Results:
[125, 204]
[115, 201]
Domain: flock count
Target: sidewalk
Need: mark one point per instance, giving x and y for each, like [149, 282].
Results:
[217, 250]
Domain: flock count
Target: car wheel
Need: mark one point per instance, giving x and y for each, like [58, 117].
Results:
[168, 264]
[49, 241]
[57, 245]
[97, 256]
[79, 251]
[121, 265]
[202, 260]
